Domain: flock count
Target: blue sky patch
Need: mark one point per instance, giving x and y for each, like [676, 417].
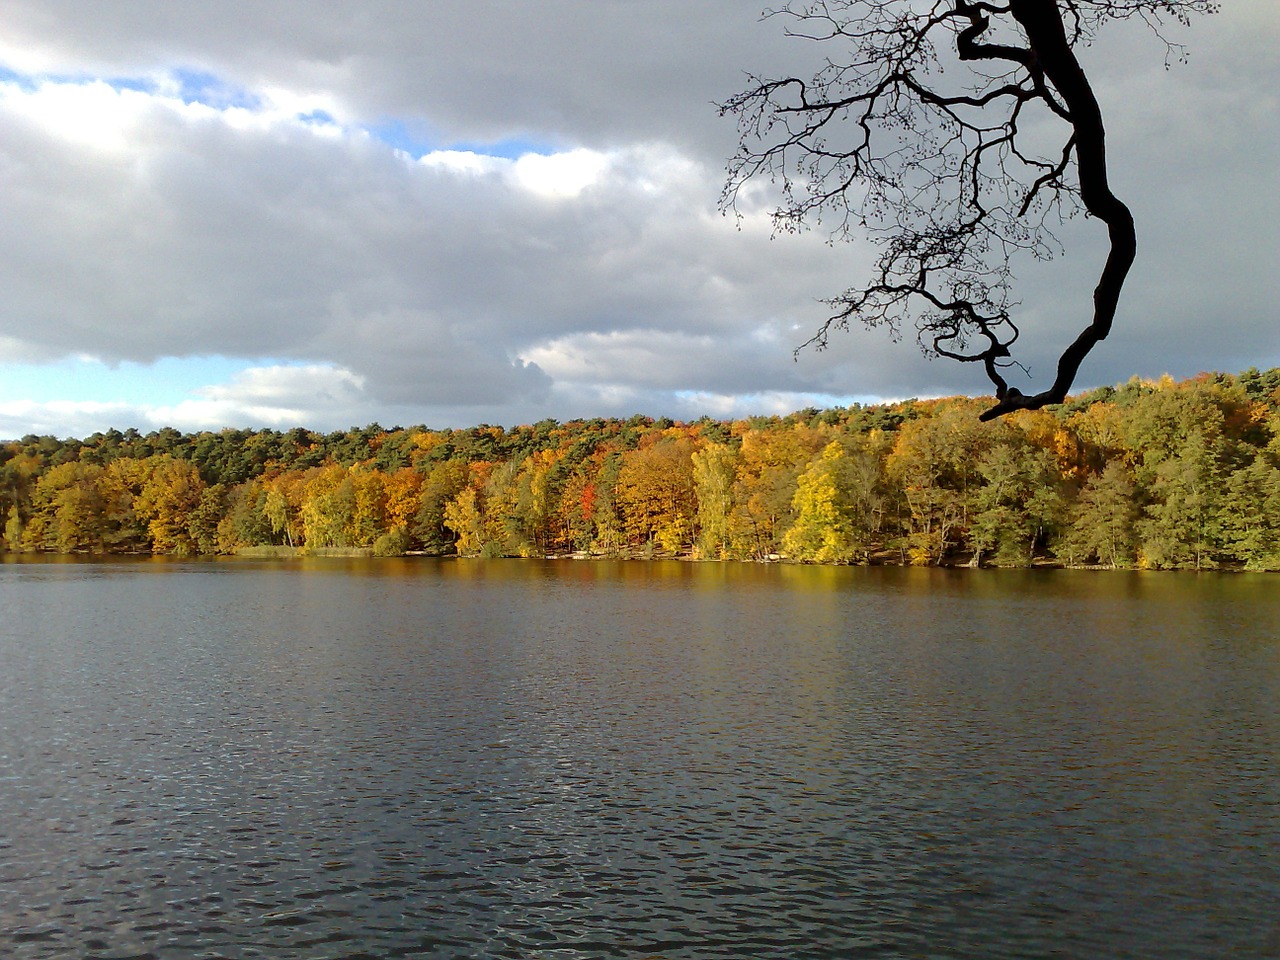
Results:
[418, 140]
[198, 86]
[168, 381]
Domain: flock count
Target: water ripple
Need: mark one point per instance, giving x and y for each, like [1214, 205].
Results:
[538, 769]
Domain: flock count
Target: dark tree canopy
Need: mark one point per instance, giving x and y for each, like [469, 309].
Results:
[954, 172]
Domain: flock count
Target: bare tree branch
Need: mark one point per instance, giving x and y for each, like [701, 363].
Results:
[945, 174]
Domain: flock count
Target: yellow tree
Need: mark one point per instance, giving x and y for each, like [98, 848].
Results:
[824, 530]
[369, 506]
[13, 527]
[282, 507]
[404, 497]
[67, 512]
[655, 493]
[462, 516]
[770, 462]
[714, 470]
[328, 506]
[167, 502]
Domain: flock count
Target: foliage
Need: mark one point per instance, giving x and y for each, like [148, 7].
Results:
[1159, 474]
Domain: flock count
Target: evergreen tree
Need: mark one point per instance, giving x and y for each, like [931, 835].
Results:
[1102, 521]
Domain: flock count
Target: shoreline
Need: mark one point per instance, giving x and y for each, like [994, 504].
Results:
[367, 553]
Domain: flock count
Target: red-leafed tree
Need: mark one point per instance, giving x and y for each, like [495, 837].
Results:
[926, 130]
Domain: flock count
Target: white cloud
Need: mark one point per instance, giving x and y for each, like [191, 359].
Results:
[579, 262]
[278, 396]
[466, 162]
[277, 382]
[553, 175]
[560, 174]
[61, 418]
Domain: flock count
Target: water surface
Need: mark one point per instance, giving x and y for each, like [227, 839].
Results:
[342, 759]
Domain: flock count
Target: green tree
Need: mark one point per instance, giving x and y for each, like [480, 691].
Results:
[245, 522]
[1019, 503]
[1102, 520]
[1250, 515]
[506, 528]
[443, 482]
[934, 465]
[205, 518]
[1181, 526]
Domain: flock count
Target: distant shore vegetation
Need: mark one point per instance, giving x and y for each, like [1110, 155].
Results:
[1151, 474]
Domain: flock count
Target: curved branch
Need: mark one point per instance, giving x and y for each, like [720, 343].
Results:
[942, 177]
[1043, 24]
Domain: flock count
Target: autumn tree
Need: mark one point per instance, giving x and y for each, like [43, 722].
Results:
[403, 489]
[67, 510]
[714, 470]
[933, 465]
[170, 494]
[824, 530]
[770, 464]
[956, 134]
[575, 510]
[655, 493]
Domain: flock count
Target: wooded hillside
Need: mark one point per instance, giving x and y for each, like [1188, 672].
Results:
[1156, 474]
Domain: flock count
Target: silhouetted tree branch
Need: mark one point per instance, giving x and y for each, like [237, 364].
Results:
[951, 171]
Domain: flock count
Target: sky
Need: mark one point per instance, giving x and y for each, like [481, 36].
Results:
[329, 214]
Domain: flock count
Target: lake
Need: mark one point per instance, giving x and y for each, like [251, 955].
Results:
[416, 758]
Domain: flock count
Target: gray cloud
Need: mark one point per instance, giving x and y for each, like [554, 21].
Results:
[137, 226]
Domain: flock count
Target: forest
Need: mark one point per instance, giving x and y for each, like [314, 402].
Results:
[1152, 474]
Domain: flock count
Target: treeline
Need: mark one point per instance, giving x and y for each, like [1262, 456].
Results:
[1155, 474]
